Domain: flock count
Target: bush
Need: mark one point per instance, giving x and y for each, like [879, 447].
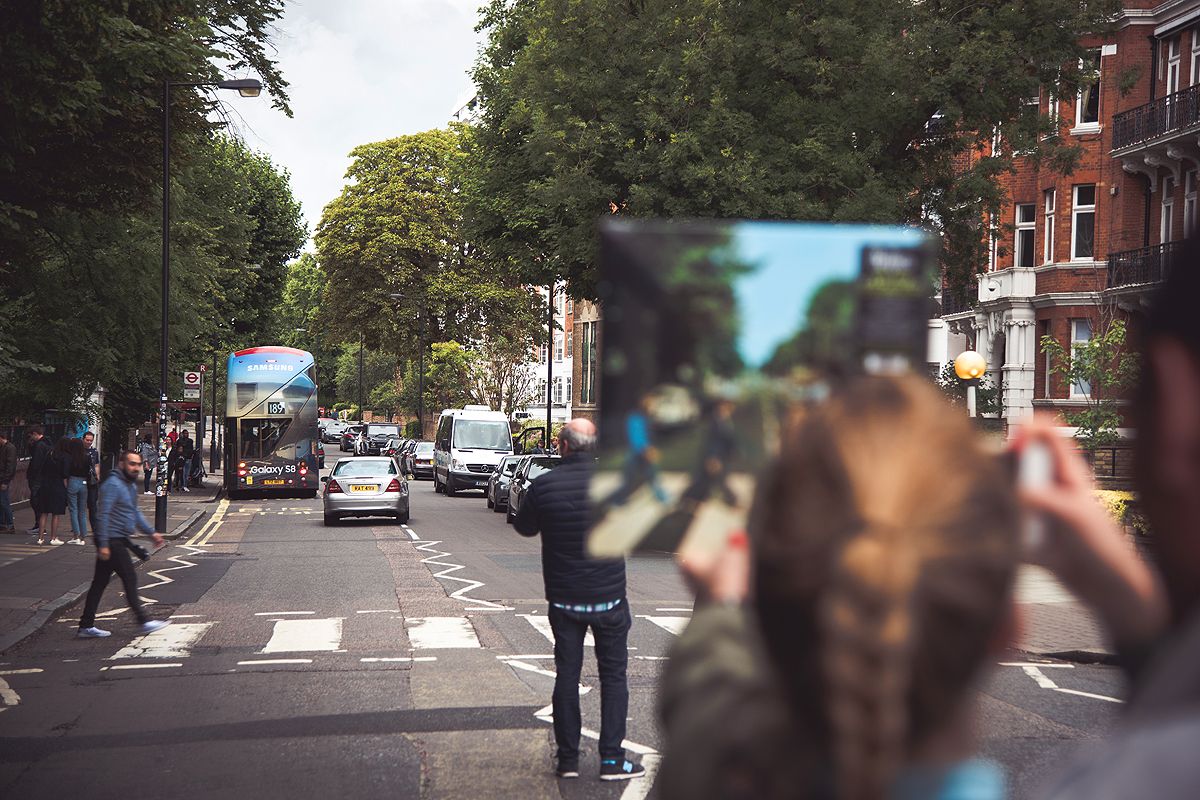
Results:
[1124, 509]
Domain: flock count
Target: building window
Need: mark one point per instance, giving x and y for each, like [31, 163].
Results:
[1052, 111]
[1048, 227]
[1087, 102]
[542, 354]
[1168, 211]
[587, 373]
[558, 346]
[1189, 203]
[570, 344]
[1195, 56]
[568, 395]
[1083, 223]
[1081, 333]
[1026, 224]
[570, 306]
[558, 391]
[1173, 63]
[993, 243]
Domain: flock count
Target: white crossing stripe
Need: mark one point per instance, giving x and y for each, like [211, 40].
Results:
[305, 636]
[542, 625]
[438, 633]
[673, 625]
[173, 641]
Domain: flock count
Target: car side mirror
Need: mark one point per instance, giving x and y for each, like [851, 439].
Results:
[324, 479]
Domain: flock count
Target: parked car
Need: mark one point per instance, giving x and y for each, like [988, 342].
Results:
[528, 469]
[378, 434]
[497, 488]
[392, 447]
[365, 487]
[418, 460]
[320, 456]
[346, 443]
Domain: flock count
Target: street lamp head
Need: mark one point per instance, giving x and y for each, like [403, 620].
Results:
[246, 87]
[969, 366]
[396, 296]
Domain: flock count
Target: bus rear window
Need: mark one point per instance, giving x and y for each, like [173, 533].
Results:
[260, 437]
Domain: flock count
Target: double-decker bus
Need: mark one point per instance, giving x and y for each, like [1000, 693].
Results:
[271, 433]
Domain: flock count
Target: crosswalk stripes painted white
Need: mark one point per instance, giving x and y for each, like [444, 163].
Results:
[542, 625]
[674, 625]
[173, 641]
[441, 633]
[305, 636]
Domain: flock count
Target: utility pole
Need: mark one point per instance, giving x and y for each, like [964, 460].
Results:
[549, 364]
[212, 434]
[360, 379]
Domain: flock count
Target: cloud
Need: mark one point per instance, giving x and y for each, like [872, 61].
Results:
[360, 71]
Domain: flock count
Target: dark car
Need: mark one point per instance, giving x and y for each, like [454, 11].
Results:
[419, 460]
[528, 468]
[497, 488]
[378, 434]
[346, 443]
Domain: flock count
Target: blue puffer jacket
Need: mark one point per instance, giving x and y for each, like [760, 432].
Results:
[557, 507]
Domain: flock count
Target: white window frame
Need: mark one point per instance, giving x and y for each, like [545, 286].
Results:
[558, 346]
[1174, 64]
[1049, 198]
[570, 398]
[1195, 56]
[1166, 219]
[1077, 211]
[558, 391]
[1092, 125]
[1081, 390]
[1027, 227]
[569, 336]
[1052, 111]
[993, 242]
[1189, 203]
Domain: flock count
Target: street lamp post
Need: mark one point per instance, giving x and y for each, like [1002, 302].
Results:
[360, 379]
[549, 364]
[246, 88]
[970, 367]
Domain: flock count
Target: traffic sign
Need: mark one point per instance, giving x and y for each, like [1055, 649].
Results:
[204, 367]
[191, 393]
[191, 379]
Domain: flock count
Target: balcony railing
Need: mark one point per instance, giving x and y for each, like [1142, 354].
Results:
[1142, 266]
[1166, 115]
[956, 302]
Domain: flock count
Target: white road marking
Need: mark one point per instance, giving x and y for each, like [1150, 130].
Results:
[638, 789]
[26, 671]
[502, 658]
[538, 670]
[172, 641]
[1044, 682]
[187, 616]
[673, 625]
[452, 567]
[633, 747]
[1039, 664]
[685, 610]
[542, 625]
[282, 613]
[441, 633]
[652, 658]
[276, 661]
[10, 697]
[305, 636]
[389, 660]
[143, 666]
[380, 611]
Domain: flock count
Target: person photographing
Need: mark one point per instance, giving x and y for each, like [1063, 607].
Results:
[118, 519]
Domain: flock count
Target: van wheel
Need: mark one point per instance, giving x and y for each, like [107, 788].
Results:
[450, 490]
[437, 485]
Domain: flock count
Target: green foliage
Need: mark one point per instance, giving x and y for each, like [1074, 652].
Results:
[297, 319]
[448, 377]
[378, 368]
[1103, 363]
[873, 110]
[1124, 509]
[987, 394]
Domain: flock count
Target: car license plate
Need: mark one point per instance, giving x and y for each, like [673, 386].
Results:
[361, 487]
[272, 483]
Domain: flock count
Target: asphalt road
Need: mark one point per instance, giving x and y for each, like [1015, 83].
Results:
[373, 659]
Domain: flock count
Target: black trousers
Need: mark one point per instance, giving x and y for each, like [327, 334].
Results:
[120, 562]
[610, 629]
[92, 501]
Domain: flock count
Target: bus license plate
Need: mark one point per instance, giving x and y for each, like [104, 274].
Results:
[359, 487]
[273, 483]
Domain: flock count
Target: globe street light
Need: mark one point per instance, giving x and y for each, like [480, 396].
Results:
[246, 87]
[970, 367]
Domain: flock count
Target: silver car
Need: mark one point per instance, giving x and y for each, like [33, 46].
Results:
[365, 487]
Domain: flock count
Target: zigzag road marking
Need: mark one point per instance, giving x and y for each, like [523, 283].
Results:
[460, 594]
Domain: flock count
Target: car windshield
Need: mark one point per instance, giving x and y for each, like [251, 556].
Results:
[540, 465]
[424, 448]
[365, 468]
[481, 434]
[509, 466]
[383, 430]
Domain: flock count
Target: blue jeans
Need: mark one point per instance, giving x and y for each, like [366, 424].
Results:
[610, 629]
[6, 517]
[77, 505]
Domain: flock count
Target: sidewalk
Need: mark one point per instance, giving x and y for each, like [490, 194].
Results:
[37, 582]
[1054, 623]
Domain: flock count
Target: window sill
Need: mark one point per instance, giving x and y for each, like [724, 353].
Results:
[1085, 129]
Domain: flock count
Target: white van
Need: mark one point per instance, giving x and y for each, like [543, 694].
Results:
[469, 443]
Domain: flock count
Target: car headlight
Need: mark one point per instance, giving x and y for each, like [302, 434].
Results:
[454, 463]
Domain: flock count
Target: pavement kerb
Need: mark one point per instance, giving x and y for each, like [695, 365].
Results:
[48, 611]
[1081, 657]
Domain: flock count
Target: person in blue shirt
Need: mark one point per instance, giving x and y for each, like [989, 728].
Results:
[118, 518]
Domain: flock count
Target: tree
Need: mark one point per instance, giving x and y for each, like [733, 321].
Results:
[297, 317]
[448, 379]
[502, 374]
[1104, 368]
[875, 110]
[987, 395]
[379, 368]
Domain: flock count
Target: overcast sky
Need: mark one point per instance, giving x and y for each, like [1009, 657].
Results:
[360, 71]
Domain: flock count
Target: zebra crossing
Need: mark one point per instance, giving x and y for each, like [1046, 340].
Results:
[374, 636]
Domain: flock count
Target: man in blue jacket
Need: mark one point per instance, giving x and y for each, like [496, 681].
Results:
[119, 517]
[583, 593]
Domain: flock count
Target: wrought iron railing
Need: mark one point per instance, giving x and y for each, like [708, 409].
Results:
[1174, 112]
[1144, 265]
[956, 301]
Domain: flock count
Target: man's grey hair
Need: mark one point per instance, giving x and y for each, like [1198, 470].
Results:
[577, 441]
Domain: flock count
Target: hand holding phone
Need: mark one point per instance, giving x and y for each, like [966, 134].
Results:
[1035, 470]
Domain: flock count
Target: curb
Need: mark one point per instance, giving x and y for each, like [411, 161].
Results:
[47, 611]
[1078, 656]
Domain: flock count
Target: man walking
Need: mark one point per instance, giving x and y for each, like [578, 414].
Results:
[39, 451]
[583, 593]
[183, 468]
[119, 517]
[8, 471]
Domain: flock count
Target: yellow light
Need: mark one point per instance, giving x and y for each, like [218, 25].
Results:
[969, 365]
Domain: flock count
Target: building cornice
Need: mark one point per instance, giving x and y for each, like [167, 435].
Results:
[1054, 299]
[1160, 14]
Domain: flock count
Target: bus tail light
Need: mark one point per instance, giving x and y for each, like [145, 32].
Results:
[241, 464]
[303, 469]
[241, 473]
[332, 487]
[394, 486]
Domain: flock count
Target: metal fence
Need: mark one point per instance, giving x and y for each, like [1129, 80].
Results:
[1143, 265]
[19, 434]
[1174, 112]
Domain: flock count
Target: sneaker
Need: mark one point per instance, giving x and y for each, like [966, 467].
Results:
[186, 489]
[620, 769]
[147, 493]
[56, 540]
[567, 769]
[34, 531]
[92, 633]
[153, 625]
[78, 541]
